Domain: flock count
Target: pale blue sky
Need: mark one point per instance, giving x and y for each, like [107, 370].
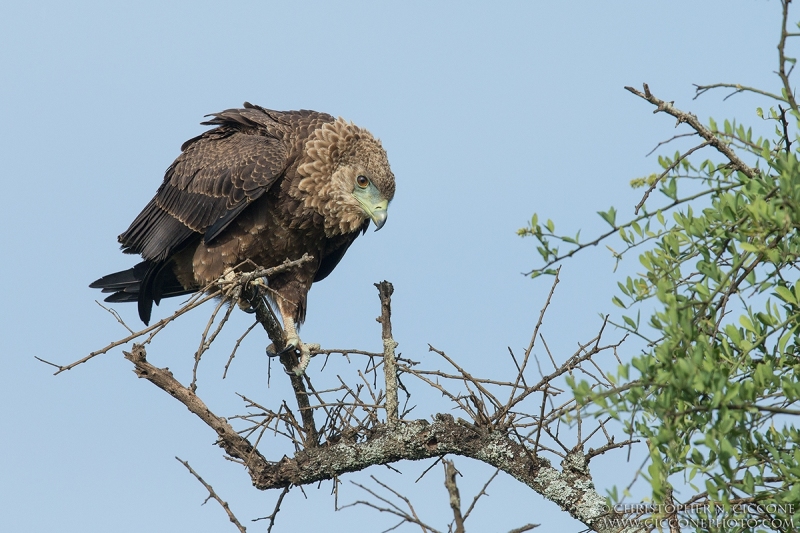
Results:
[488, 113]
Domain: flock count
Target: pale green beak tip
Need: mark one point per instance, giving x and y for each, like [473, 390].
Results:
[379, 218]
[375, 207]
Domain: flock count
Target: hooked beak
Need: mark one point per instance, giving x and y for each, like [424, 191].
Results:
[379, 213]
[374, 206]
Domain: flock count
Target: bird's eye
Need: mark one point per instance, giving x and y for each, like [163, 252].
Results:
[362, 182]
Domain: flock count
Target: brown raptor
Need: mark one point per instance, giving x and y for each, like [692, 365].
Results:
[261, 185]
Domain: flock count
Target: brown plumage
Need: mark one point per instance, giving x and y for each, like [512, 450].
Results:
[262, 185]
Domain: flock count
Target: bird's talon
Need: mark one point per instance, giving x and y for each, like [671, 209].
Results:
[272, 353]
[293, 343]
[245, 306]
[305, 358]
[259, 282]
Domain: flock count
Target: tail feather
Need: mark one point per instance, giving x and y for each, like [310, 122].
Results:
[145, 283]
[122, 280]
[122, 296]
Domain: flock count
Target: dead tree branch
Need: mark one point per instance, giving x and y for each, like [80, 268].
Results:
[264, 315]
[214, 495]
[510, 435]
[572, 488]
[229, 440]
[450, 473]
[385, 290]
[275, 511]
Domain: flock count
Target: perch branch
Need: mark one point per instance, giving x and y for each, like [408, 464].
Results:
[289, 360]
[572, 489]
[230, 441]
[385, 289]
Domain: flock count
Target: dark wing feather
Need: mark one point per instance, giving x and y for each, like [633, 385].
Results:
[332, 257]
[223, 221]
[218, 174]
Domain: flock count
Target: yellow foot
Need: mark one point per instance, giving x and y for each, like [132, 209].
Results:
[304, 353]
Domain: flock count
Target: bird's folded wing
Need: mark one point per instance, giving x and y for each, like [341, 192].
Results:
[218, 174]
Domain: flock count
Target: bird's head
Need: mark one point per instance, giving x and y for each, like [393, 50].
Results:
[346, 177]
[371, 200]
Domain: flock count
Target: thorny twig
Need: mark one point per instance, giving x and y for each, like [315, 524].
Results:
[690, 119]
[209, 292]
[275, 511]
[409, 516]
[214, 495]
[354, 436]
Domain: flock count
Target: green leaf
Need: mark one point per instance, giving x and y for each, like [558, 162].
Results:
[785, 294]
[629, 321]
[609, 216]
[670, 188]
[747, 323]
[714, 303]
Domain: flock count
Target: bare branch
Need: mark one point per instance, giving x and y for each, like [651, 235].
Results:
[212, 494]
[236, 347]
[788, 91]
[205, 340]
[195, 301]
[116, 316]
[409, 516]
[481, 493]
[526, 527]
[737, 88]
[436, 462]
[355, 439]
[667, 171]
[211, 291]
[691, 120]
[520, 374]
[289, 360]
[452, 489]
[275, 511]
[229, 440]
[414, 440]
[385, 289]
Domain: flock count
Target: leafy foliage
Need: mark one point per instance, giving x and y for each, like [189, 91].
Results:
[716, 389]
